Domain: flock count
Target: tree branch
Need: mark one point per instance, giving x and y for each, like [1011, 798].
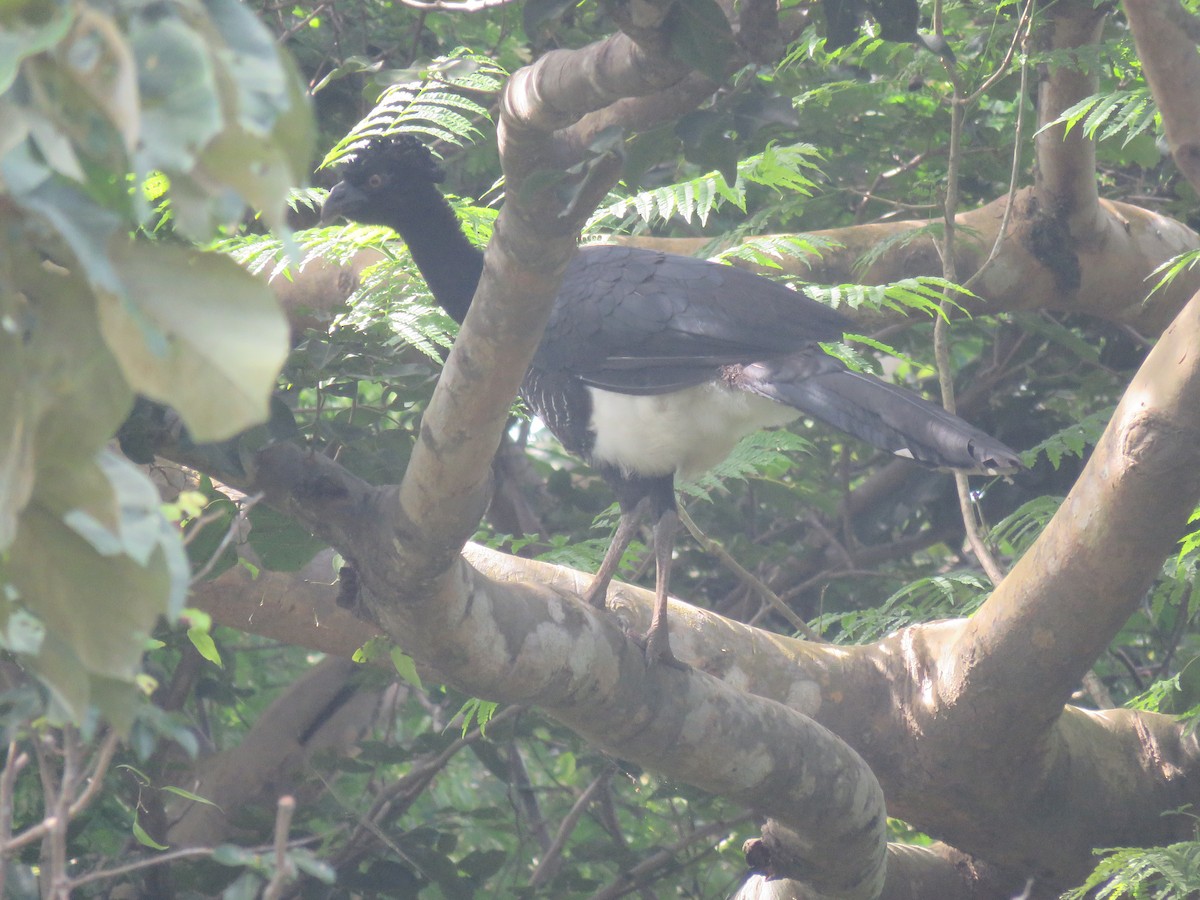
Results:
[1168, 56]
[1088, 570]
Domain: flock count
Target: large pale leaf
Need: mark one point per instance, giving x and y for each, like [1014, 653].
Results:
[101, 607]
[64, 393]
[29, 28]
[180, 108]
[197, 333]
[97, 578]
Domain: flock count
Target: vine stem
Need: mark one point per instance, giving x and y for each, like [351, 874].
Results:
[941, 342]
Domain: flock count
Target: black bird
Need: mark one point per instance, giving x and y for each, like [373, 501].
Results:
[654, 364]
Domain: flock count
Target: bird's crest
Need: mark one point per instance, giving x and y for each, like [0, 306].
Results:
[394, 153]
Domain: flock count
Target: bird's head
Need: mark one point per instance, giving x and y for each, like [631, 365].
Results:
[386, 182]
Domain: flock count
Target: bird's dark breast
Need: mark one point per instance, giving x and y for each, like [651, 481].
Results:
[564, 404]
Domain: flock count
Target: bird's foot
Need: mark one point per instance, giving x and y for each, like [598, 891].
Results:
[657, 649]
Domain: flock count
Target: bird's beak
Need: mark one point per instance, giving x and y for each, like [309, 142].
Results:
[342, 201]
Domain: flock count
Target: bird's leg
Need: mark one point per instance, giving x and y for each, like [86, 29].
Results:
[630, 520]
[657, 645]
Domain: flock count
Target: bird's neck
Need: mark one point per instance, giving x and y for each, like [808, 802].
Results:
[449, 263]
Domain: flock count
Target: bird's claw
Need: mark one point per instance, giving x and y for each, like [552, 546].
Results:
[657, 650]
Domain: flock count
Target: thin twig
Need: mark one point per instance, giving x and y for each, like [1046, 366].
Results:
[54, 851]
[156, 860]
[287, 35]
[552, 859]
[711, 546]
[14, 763]
[103, 758]
[1023, 31]
[941, 343]
[247, 504]
[638, 875]
[403, 793]
[284, 872]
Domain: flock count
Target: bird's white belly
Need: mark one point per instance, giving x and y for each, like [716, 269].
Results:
[686, 432]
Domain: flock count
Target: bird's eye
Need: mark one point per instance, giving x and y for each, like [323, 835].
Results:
[375, 181]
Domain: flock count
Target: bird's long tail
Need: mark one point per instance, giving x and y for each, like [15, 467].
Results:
[889, 417]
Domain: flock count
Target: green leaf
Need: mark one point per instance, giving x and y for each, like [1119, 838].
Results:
[251, 58]
[188, 795]
[256, 167]
[21, 632]
[479, 711]
[196, 328]
[406, 668]
[230, 855]
[205, 645]
[310, 865]
[64, 398]
[85, 226]
[143, 838]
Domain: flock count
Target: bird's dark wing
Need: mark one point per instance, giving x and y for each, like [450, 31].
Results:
[638, 321]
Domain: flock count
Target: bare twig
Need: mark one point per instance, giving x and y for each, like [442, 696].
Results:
[284, 871]
[711, 546]
[649, 867]
[403, 793]
[103, 759]
[551, 861]
[14, 763]
[941, 346]
[1023, 32]
[54, 844]
[247, 505]
[129, 868]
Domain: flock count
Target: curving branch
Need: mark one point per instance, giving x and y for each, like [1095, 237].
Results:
[1165, 35]
[1087, 572]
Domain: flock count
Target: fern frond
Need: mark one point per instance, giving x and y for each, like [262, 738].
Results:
[1173, 268]
[1072, 440]
[782, 168]
[939, 597]
[392, 293]
[1164, 873]
[767, 250]
[1017, 531]
[441, 103]
[924, 294]
[1132, 112]
[766, 455]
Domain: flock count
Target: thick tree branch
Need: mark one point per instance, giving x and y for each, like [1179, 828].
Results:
[1115, 269]
[1090, 567]
[1172, 68]
[323, 709]
[1066, 163]
[525, 638]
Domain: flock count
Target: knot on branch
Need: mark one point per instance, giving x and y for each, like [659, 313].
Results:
[779, 853]
[1048, 239]
[1152, 440]
[325, 497]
